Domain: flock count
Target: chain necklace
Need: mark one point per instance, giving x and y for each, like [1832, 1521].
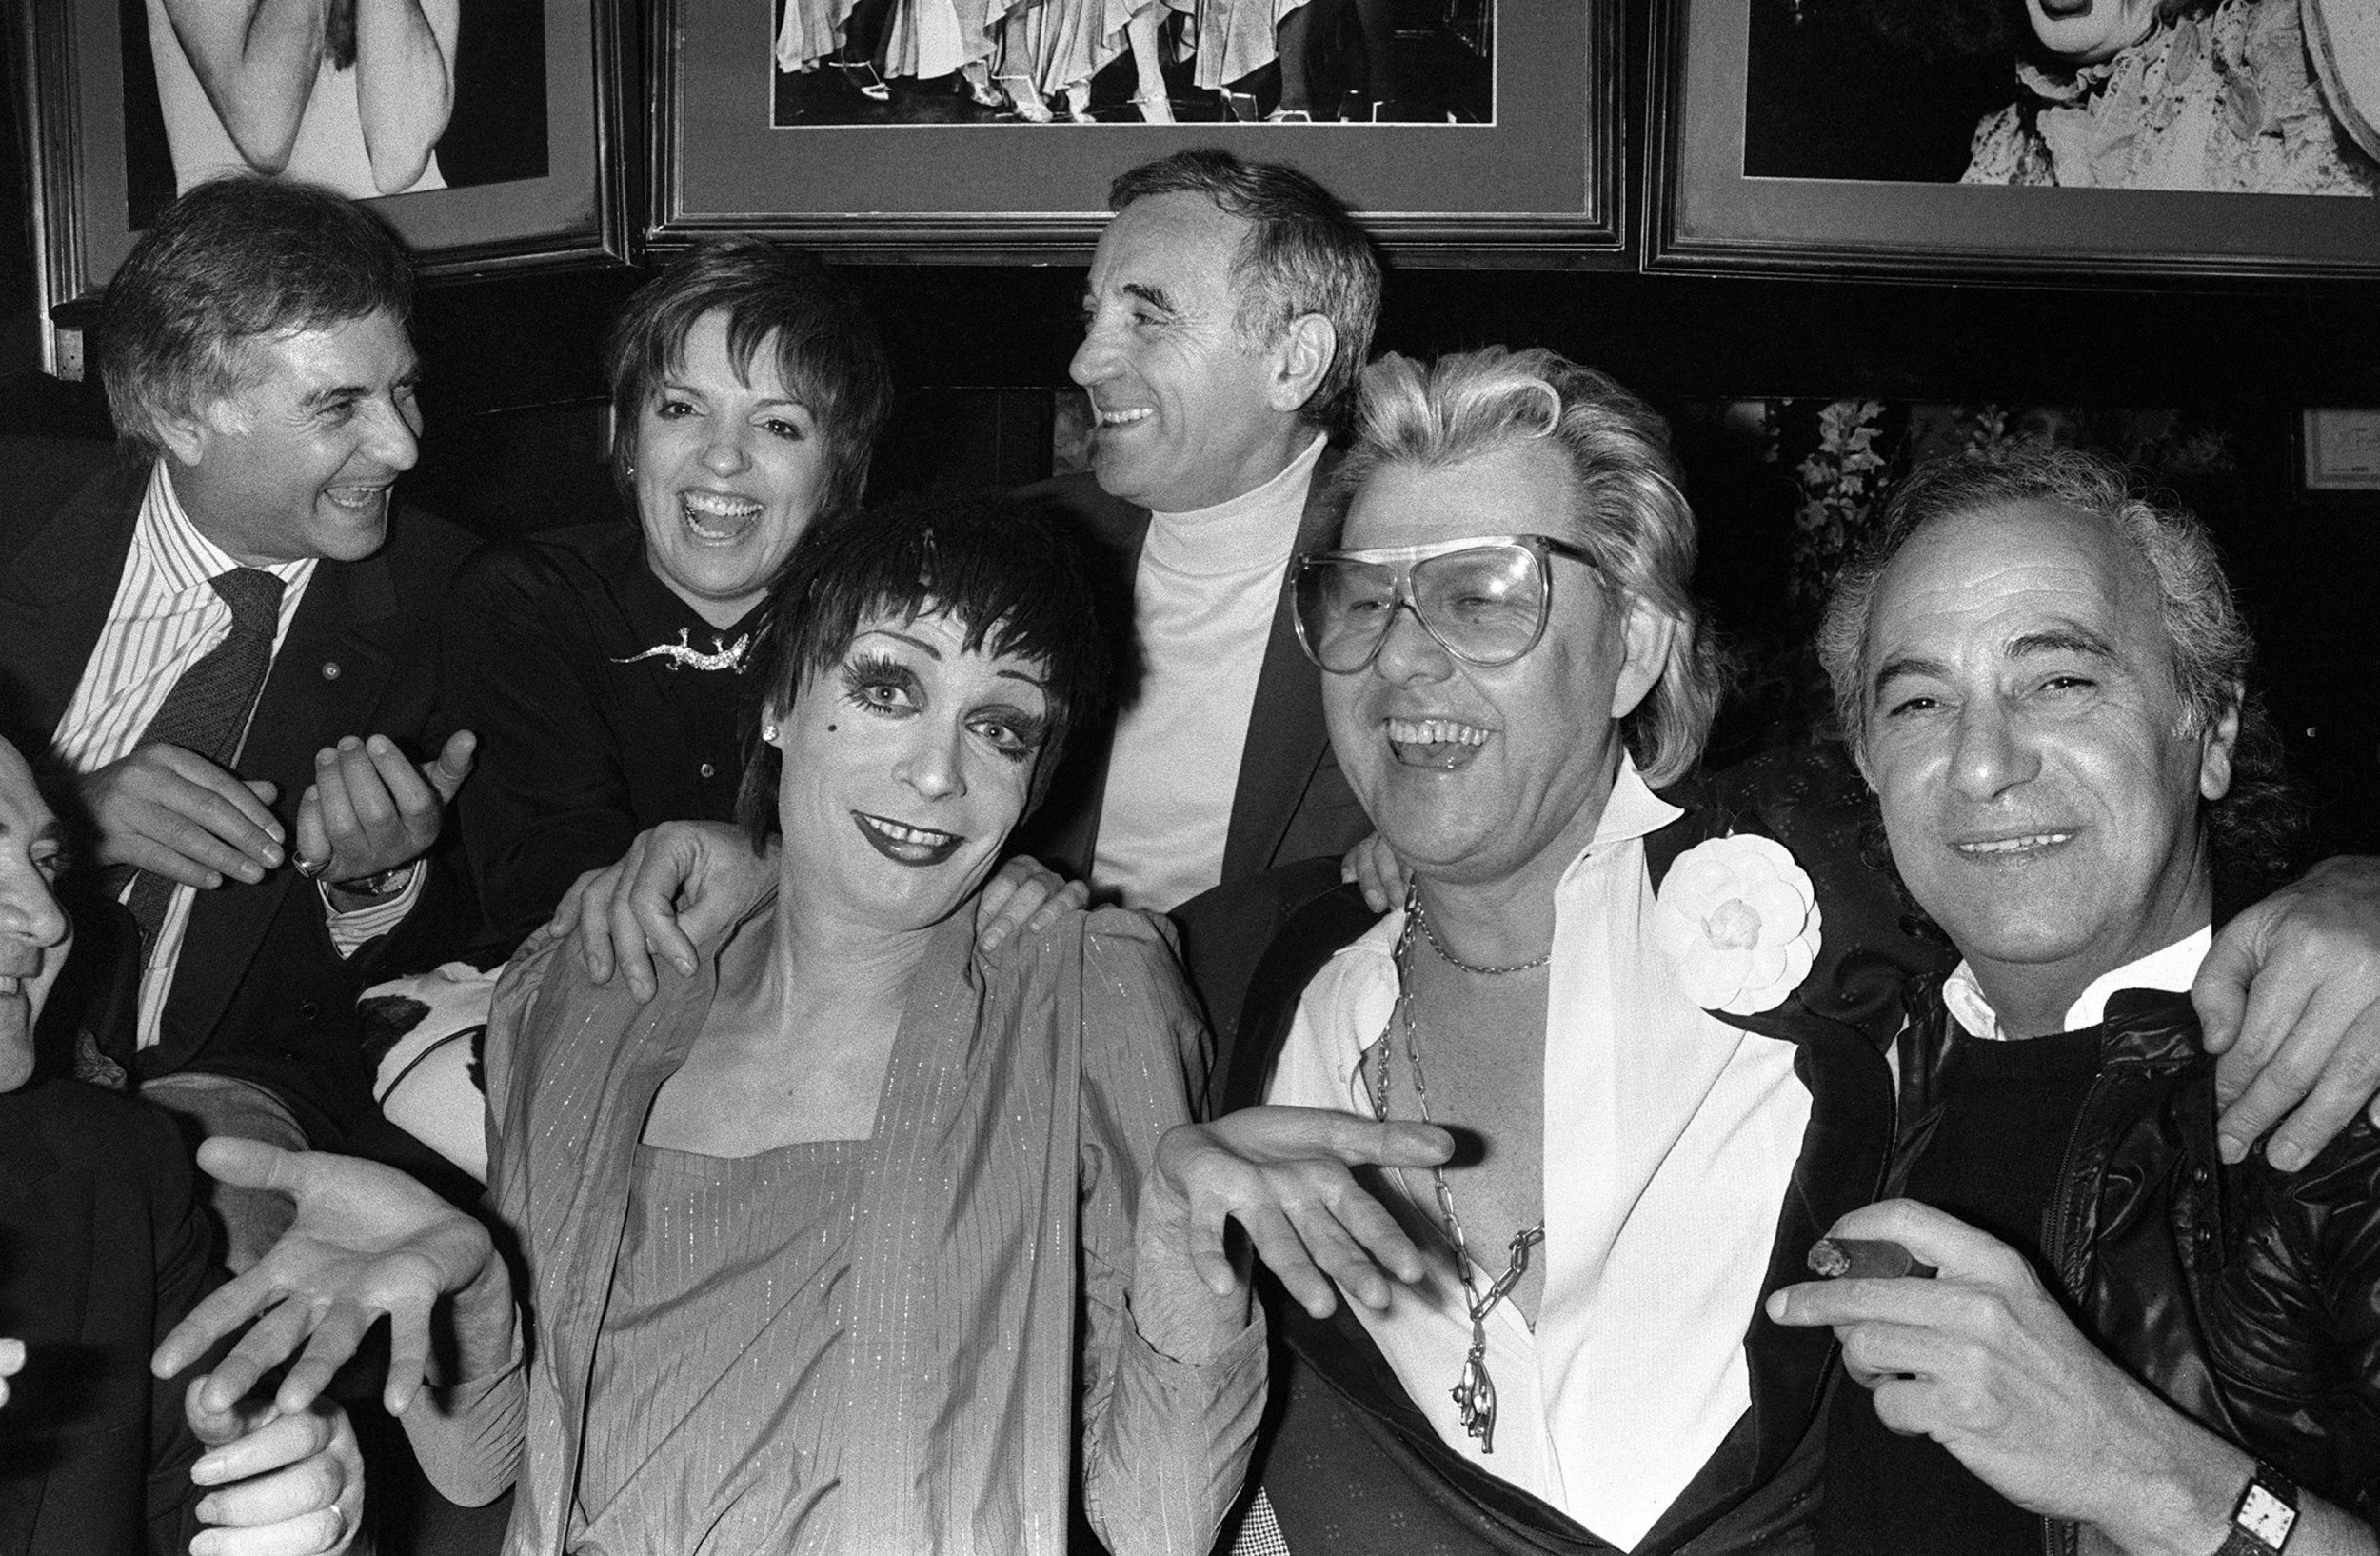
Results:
[1475, 1392]
[1414, 914]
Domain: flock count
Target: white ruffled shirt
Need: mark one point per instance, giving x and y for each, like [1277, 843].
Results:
[1670, 1139]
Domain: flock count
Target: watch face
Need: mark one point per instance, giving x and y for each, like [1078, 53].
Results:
[2265, 1516]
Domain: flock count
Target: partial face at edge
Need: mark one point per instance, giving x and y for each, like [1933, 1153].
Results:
[906, 766]
[2028, 744]
[34, 933]
[1475, 773]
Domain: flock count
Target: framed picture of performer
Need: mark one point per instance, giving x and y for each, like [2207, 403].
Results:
[489, 137]
[1461, 131]
[2056, 138]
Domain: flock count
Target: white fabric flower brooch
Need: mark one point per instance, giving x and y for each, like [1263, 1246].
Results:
[1740, 921]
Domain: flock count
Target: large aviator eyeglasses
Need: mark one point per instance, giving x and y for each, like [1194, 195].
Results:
[1483, 598]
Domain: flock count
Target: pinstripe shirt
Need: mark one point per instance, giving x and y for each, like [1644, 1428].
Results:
[165, 618]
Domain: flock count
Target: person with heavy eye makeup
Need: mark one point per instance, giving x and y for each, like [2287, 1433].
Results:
[829, 1246]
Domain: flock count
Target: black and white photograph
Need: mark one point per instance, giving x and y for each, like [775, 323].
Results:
[1088, 62]
[1395, 778]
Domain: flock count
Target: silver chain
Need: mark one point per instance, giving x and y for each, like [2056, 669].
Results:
[1414, 914]
[1475, 1392]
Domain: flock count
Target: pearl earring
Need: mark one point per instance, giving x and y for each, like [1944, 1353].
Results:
[768, 733]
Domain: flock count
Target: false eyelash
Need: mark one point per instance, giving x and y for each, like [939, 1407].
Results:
[876, 668]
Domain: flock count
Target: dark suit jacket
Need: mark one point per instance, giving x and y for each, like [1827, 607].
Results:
[1351, 1464]
[258, 991]
[1291, 802]
[102, 1250]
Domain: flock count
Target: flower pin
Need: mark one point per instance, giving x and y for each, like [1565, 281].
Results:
[1739, 920]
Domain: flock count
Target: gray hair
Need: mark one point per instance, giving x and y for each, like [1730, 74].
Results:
[227, 265]
[1632, 514]
[2209, 647]
[1303, 253]
[2257, 827]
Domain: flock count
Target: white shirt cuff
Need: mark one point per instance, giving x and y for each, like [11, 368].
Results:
[350, 931]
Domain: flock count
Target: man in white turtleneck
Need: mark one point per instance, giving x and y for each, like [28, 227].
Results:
[1228, 309]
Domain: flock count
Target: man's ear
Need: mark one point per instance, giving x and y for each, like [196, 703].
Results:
[2215, 744]
[1648, 636]
[1302, 358]
[188, 434]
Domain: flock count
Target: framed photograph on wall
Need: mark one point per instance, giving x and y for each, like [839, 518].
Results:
[1463, 132]
[2212, 138]
[526, 164]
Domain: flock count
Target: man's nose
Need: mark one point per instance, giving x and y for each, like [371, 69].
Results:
[932, 764]
[28, 911]
[1409, 651]
[1094, 361]
[395, 436]
[1992, 756]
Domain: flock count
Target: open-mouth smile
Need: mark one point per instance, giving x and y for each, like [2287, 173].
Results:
[919, 847]
[2023, 846]
[1443, 743]
[715, 518]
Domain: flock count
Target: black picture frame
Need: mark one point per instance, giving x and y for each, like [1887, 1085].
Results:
[84, 129]
[1705, 213]
[1541, 185]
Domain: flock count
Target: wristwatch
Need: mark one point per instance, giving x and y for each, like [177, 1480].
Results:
[2262, 1518]
[380, 884]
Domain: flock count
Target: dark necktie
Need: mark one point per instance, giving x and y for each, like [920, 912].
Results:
[206, 711]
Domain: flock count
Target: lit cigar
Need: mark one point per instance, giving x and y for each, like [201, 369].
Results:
[1866, 1259]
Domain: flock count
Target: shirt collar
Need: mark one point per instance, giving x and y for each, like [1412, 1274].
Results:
[179, 552]
[2171, 970]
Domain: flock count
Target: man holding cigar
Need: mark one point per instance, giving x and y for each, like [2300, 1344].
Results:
[2043, 677]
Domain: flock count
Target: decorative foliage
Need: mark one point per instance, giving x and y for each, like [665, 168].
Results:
[1841, 482]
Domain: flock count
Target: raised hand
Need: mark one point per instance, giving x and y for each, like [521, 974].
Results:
[2291, 998]
[176, 814]
[1373, 866]
[286, 1485]
[1984, 1361]
[371, 809]
[1285, 1175]
[677, 884]
[368, 1241]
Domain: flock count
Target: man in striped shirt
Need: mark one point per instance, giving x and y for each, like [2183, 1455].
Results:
[223, 643]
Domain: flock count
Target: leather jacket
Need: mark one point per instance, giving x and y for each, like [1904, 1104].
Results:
[2248, 1297]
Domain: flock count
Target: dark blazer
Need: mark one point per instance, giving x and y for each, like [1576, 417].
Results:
[1291, 802]
[1352, 1464]
[102, 1250]
[258, 991]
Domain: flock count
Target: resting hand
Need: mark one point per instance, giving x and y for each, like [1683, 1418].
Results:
[1373, 865]
[1283, 1173]
[2291, 998]
[371, 809]
[12, 1363]
[1985, 1361]
[178, 815]
[288, 1484]
[1022, 893]
[367, 1240]
[677, 884]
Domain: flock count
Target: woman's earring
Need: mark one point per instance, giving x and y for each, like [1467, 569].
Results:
[768, 733]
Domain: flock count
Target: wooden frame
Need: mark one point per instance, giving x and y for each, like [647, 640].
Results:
[1539, 185]
[1704, 213]
[72, 85]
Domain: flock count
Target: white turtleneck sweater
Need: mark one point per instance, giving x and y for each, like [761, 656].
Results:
[1202, 608]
